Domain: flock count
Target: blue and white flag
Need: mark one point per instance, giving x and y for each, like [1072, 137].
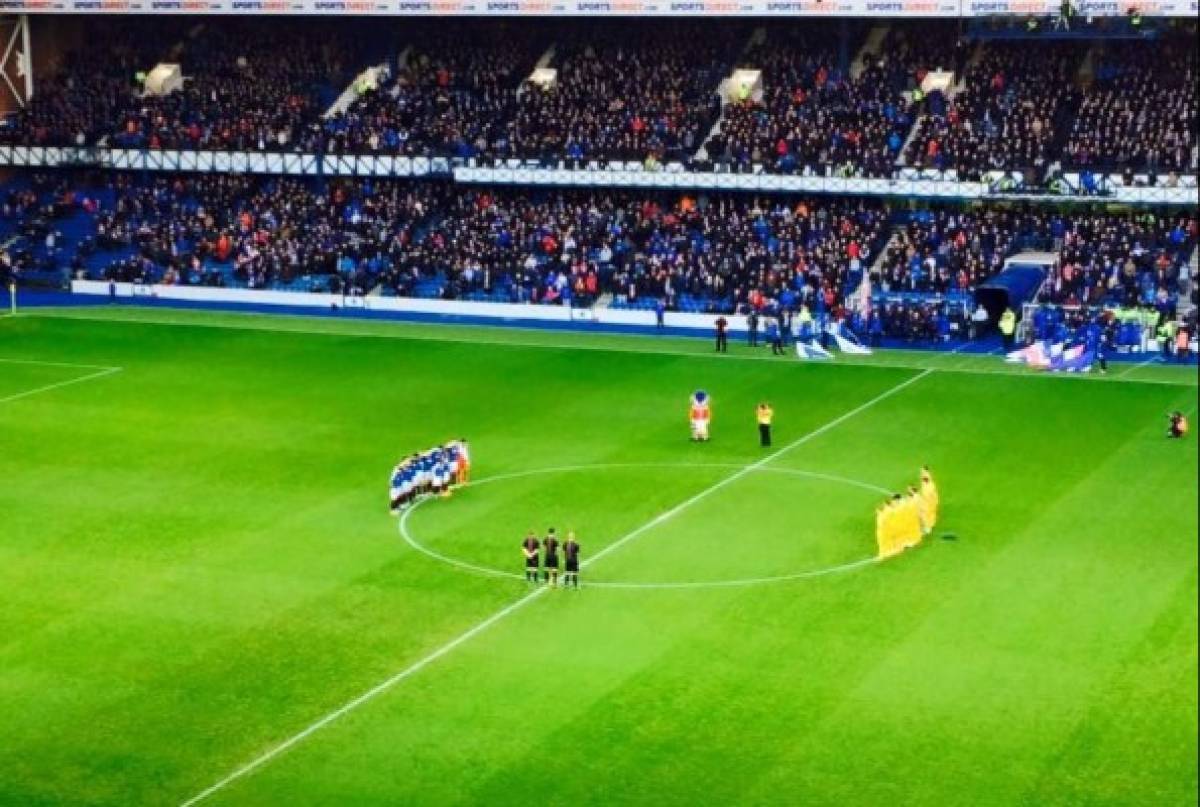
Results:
[1055, 357]
[811, 350]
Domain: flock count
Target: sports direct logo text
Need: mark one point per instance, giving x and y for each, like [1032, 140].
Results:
[911, 7]
[610, 7]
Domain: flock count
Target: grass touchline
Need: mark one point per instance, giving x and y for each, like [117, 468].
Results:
[962, 357]
[197, 568]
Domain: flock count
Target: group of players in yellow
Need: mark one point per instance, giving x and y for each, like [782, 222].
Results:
[903, 520]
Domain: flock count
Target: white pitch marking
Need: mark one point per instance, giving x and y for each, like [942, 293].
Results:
[59, 364]
[470, 633]
[598, 348]
[89, 377]
[754, 466]
[742, 582]
[349, 706]
[1137, 366]
[748, 581]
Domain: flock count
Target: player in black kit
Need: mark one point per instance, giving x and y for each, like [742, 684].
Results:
[571, 551]
[529, 548]
[550, 565]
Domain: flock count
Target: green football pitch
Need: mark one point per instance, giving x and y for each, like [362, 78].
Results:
[204, 599]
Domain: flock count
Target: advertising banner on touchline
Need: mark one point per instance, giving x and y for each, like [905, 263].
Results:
[584, 8]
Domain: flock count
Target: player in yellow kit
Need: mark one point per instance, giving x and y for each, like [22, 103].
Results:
[908, 520]
[924, 512]
[929, 493]
[884, 534]
[903, 521]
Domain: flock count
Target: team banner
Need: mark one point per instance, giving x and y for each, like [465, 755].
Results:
[584, 8]
[1055, 357]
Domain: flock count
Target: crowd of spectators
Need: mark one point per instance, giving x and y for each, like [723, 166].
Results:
[914, 321]
[454, 95]
[262, 232]
[1128, 259]
[240, 92]
[29, 234]
[249, 86]
[1010, 114]
[936, 258]
[645, 93]
[1140, 112]
[24, 204]
[815, 111]
[1133, 260]
[82, 100]
[722, 252]
[754, 253]
[941, 251]
[437, 239]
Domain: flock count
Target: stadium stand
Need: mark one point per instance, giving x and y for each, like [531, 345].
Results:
[240, 94]
[80, 102]
[1140, 113]
[947, 251]
[728, 253]
[828, 98]
[715, 252]
[453, 95]
[700, 253]
[641, 93]
[1016, 102]
[1129, 259]
[833, 99]
[816, 112]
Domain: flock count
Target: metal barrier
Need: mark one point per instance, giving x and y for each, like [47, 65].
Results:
[908, 184]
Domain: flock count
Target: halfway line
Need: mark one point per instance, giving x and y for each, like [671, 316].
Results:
[754, 466]
[1137, 366]
[470, 633]
[58, 364]
[68, 382]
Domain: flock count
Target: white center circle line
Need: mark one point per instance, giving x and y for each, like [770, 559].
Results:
[741, 582]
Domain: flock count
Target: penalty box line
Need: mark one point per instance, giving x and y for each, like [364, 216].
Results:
[470, 633]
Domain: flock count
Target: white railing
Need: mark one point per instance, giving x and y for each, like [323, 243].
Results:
[248, 162]
[908, 182]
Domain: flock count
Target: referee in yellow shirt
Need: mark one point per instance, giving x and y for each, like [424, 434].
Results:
[764, 413]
